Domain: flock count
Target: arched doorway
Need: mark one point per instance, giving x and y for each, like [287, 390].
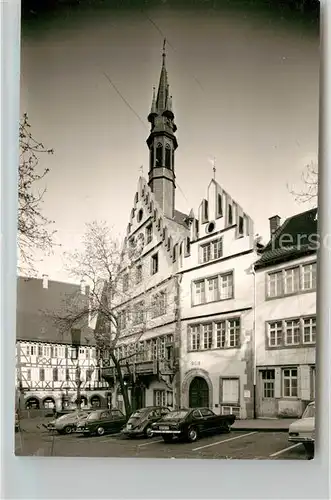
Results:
[198, 393]
[95, 402]
[49, 403]
[32, 403]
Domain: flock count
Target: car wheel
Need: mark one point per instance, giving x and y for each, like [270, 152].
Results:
[100, 431]
[225, 427]
[192, 434]
[67, 429]
[167, 438]
[148, 433]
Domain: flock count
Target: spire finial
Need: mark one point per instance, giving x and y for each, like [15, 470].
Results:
[141, 169]
[214, 167]
[164, 50]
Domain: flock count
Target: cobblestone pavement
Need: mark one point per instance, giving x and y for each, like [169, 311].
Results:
[235, 445]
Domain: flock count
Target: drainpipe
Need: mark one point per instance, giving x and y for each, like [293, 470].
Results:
[254, 344]
[178, 343]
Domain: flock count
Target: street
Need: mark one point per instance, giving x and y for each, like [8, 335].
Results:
[235, 445]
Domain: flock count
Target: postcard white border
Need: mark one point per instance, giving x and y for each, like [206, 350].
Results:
[33, 477]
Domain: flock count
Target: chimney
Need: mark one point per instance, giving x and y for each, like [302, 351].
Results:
[45, 280]
[274, 223]
[82, 287]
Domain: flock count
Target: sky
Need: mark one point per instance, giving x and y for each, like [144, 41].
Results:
[245, 91]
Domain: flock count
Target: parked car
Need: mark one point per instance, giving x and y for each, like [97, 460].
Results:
[67, 423]
[190, 424]
[140, 422]
[303, 429]
[101, 421]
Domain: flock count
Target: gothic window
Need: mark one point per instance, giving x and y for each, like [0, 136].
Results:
[159, 154]
[172, 159]
[168, 156]
[152, 156]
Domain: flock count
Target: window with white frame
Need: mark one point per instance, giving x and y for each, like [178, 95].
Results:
[309, 330]
[207, 333]
[233, 332]
[211, 251]
[275, 284]
[212, 289]
[163, 397]
[224, 334]
[291, 280]
[292, 332]
[220, 335]
[47, 351]
[33, 350]
[290, 382]
[309, 276]
[158, 304]
[275, 333]
[194, 337]
[28, 374]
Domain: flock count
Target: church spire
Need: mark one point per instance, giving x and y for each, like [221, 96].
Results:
[162, 143]
[162, 94]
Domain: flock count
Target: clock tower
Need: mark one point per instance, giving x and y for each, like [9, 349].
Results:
[162, 144]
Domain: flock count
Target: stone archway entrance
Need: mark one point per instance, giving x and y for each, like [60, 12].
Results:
[198, 393]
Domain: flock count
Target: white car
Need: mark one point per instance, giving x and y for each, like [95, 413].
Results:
[303, 430]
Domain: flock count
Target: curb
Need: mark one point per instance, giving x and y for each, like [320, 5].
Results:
[258, 429]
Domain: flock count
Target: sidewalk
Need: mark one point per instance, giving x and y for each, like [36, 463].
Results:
[263, 424]
[34, 424]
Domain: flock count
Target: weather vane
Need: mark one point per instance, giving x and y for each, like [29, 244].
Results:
[214, 167]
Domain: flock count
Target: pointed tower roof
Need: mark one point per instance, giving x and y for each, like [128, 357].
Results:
[163, 90]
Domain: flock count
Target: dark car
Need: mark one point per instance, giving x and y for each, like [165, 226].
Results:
[190, 424]
[100, 422]
[140, 422]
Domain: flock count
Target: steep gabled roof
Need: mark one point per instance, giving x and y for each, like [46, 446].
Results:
[296, 237]
[37, 306]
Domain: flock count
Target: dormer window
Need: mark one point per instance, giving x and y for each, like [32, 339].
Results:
[159, 154]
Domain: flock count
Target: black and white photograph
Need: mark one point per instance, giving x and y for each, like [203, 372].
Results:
[167, 229]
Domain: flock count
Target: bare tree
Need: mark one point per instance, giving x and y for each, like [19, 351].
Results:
[34, 229]
[309, 179]
[113, 274]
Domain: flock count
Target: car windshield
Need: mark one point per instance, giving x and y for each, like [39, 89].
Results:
[177, 415]
[139, 413]
[94, 415]
[309, 412]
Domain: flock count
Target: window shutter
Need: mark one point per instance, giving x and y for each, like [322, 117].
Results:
[304, 382]
[278, 383]
[230, 391]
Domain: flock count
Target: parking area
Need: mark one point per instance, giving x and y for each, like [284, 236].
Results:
[256, 445]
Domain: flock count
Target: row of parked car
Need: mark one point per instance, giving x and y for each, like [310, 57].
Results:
[188, 424]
